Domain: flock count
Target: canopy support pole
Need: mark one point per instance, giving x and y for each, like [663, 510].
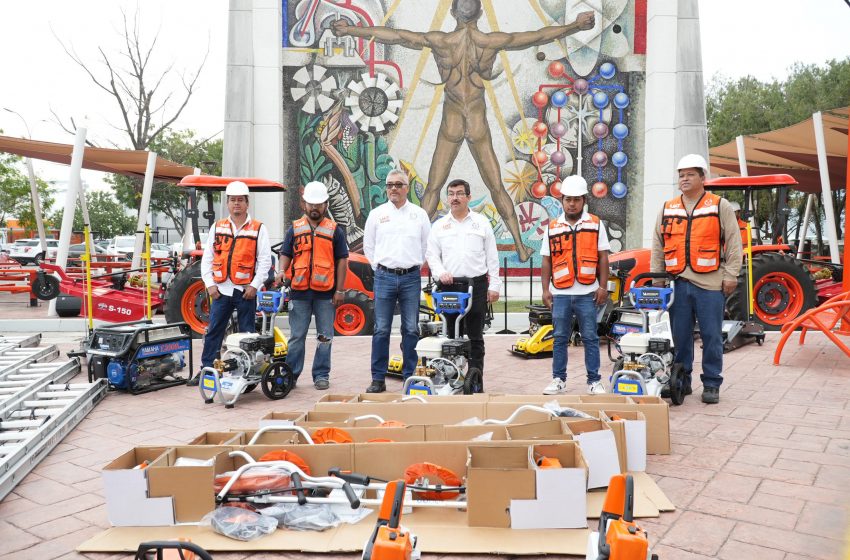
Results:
[826, 189]
[36, 206]
[804, 227]
[143, 210]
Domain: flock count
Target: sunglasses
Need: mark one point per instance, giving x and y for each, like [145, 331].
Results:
[396, 185]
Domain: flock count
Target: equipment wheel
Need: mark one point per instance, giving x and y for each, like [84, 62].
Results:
[782, 290]
[473, 382]
[355, 316]
[45, 287]
[38, 259]
[677, 384]
[277, 381]
[186, 300]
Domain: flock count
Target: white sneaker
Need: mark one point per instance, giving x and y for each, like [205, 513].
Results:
[556, 387]
[595, 388]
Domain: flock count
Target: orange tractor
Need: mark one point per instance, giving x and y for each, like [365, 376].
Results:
[186, 298]
[783, 285]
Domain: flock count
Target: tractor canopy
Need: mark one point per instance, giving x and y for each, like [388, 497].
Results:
[218, 184]
[759, 182]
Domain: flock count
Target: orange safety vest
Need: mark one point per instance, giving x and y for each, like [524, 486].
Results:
[574, 252]
[692, 240]
[313, 255]
[235, 255]
[742, 225]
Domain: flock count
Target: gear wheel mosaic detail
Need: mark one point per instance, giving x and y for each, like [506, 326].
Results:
[374, 102]
[314, 87]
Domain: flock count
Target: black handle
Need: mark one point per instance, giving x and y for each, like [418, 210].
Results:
[629, 506]
[398, 503]
[653, 275]
[159, 546]
[299, 488]
[352, 477]
[352, 497]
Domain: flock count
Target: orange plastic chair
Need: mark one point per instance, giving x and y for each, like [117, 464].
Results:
[831, 317]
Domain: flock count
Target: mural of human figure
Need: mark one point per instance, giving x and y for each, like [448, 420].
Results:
[465, 58]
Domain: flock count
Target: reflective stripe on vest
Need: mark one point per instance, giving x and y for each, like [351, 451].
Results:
[313, 255]
[574, 250]
[692, 240]
[235, 255]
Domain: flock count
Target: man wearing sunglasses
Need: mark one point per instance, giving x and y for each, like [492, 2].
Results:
[395, 241]
[462, 245]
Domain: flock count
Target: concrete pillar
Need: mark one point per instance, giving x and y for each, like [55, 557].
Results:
[253, 132]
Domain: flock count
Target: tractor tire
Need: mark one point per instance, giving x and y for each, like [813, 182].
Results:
[186, 300]
[782, 290]
[356, 315]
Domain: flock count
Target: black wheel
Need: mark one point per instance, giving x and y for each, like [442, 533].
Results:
[39, 258]
[473, 382]
[782, 290]
[677, 384]
[186, 300]
[251, 387]
[277, 381]
[45, 287]
[355, 316]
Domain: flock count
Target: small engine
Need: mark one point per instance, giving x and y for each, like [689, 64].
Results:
[139, 375]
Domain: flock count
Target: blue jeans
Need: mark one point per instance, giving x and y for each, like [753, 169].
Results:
[220, 312]
[389, 289]
[706, 306]
[584, 309]
[300, 312]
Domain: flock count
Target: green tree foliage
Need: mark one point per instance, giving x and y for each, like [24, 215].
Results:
[166, 198]
[749, 106]
[15, 197]
[108, 217]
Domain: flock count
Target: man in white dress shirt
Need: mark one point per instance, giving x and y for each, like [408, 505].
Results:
[395, 240]
[461, 245]
[235, 264]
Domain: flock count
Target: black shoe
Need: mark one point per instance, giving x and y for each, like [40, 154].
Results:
[322, 384]
[376, 387]
[711, 395]
[193, 382]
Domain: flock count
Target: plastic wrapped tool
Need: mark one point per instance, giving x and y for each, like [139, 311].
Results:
[312, 517]
[239, 524]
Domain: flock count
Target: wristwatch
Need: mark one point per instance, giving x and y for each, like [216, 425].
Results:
[340, 291]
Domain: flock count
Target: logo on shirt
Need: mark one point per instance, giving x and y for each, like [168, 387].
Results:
[447, 225]
[475, 225]
[384, 219]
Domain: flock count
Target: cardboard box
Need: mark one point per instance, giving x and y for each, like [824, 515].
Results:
[599, 448]
[128, 499]
[560, 501]
[219, 438]
[495, 476]
[398, 398]
[412, 412]
[466, 433]
[632, 427]
[555, 429]
[336, 398]
[287, 418]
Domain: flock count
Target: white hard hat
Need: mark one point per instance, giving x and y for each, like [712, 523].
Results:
[693, 160]
[315, 193]
[236, 188]
[574, 185]
[735, 205]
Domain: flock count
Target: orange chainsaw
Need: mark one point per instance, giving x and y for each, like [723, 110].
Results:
[389, 540]
[619, 537]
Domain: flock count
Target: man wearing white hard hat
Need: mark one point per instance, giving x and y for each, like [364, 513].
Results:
[236, 261]
[697, 241]
[316, 248]
[575, 281]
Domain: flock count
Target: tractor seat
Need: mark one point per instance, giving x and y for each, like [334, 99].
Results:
[623, 267]
[539, 314]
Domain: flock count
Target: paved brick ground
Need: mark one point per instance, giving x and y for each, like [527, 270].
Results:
[763, 475]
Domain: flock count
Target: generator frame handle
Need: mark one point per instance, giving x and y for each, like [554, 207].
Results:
[297, 429]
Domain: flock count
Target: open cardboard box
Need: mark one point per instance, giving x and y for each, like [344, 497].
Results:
[440, 531]
[599, 448]
[552, 430]
[286, 418]
[219, 438]
[128, 499]
[411, 412]
[630, 427]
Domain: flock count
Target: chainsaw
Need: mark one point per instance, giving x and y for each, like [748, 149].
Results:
[618, 537]
[389, 540]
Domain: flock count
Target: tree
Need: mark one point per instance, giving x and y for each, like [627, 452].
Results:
[749, 106]
[108, 217]
[15, 193]
[181, 147]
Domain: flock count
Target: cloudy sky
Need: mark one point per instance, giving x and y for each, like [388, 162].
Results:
[762, 38]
